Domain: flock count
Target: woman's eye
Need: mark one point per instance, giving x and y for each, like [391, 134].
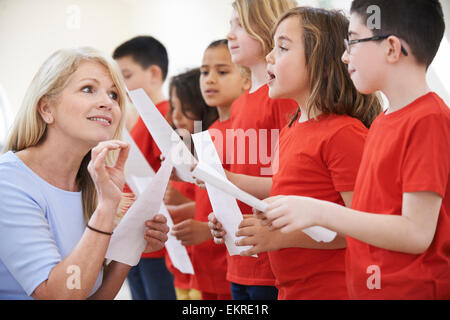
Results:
[87, 89]
[222, 73]
[283, 48]
[204, 73]
[113, 95]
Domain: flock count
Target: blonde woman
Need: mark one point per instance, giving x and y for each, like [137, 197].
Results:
[58, 196]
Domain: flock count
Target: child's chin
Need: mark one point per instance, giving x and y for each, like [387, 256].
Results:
[363, 88]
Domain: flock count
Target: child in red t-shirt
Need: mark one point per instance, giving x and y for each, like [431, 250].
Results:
[318, 153]
[186, 107]
[221, 83]
[256, 121]
[398, 228]
[144, 63]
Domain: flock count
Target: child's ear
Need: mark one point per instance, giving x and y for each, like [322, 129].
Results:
[246, 84]
[394, 49]
[45, 111]
[156, 72]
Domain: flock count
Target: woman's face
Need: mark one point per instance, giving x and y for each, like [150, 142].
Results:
[87, 111]
[184, 125]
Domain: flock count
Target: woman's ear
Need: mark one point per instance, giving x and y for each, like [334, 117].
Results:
[45, 111]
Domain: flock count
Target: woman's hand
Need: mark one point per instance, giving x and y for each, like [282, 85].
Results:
[191, 232]
[156, 233]
[108, 180]
[216, 229]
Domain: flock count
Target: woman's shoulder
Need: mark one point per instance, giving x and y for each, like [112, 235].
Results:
[16, 179]
[10, 166]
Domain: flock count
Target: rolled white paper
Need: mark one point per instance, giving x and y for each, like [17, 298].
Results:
[224, 205]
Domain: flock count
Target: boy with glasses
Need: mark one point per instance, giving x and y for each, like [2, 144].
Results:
[398, 229]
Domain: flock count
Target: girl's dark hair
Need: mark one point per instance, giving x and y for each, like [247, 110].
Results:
[193, 106]
[332, 90]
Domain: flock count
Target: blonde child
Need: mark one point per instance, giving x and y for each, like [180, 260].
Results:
[254, 114]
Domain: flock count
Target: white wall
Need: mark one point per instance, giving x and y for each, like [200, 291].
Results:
[30, 30]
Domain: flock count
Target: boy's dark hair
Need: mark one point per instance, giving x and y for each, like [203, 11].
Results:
[187, 86]
[145, 51]
[418, 22]
[218, 43]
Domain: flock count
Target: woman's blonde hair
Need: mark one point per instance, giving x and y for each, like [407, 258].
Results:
[331, 88]
[259, 16]
[29, 129]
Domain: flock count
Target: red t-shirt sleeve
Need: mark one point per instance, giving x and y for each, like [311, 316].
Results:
[426, 163]
[343, 155]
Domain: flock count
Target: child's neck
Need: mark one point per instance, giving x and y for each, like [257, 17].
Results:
[157, 96]
[405, 87]
[224, 112]
[259, 75]
[305, 115]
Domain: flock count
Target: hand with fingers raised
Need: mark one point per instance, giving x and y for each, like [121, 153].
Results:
[108, 180]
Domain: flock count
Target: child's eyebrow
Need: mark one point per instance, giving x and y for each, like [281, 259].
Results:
[284, 38]
[219, 65]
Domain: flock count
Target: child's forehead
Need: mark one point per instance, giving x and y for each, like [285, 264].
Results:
[357, 26]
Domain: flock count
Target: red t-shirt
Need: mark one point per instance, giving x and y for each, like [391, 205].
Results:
[183, 280]
[261, 118]
[406, 151]
[319, 159]
[151, 152]
[209, 259]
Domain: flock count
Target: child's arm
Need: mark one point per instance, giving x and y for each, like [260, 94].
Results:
[412, 232]
[256, 186]
[182, 211]
[263, 239]
[191, 232]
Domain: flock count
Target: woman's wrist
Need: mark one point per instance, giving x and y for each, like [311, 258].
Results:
[103, 217]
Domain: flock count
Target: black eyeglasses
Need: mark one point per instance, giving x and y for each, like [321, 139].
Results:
[348, 43]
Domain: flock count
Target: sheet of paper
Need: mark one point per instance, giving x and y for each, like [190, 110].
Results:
[127, 242]
[208, 175]
[177, 252]
[139, 175]
[224, 205]
[166, 138]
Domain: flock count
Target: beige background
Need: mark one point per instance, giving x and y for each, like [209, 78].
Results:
[31, 30]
